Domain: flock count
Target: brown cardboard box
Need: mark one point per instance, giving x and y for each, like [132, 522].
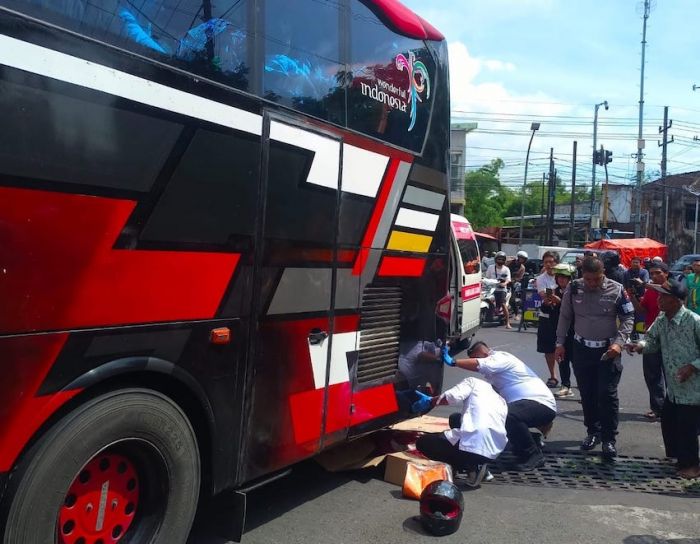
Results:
[426, 424]
[395, 469]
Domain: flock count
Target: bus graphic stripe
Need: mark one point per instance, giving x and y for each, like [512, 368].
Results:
[421, 197]
[326, 158]
[362, 170]
[376, 216]
[47, 62]
[417, 220]
[62, 271]
[373, 403]
[401, 266]
[27, 359]
[406, 241]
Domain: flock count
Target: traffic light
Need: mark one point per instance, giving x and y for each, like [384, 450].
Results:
[597, 159]
[602, 157]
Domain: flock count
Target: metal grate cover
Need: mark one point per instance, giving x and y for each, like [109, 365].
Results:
[380, 324]
[583, 470]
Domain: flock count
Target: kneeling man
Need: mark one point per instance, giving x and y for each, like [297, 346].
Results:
[530, 402]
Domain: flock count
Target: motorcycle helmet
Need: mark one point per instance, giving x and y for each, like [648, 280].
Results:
[522, 254]
[611, 259]
[441, 507]
[563, 269]
[500, 255]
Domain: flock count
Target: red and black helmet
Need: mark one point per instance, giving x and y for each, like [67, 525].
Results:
[441, 507]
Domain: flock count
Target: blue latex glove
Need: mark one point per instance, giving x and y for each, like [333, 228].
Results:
[449, 361]
[423, 404]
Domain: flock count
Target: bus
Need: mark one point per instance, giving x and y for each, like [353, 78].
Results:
[224, 230]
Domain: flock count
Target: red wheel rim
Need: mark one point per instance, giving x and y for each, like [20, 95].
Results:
[101, 503]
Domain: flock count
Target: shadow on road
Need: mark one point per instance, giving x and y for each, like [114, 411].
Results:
[307, 481]
[650, 539]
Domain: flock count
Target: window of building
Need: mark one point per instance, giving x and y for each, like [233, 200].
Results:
[690, 216]
[456, 172]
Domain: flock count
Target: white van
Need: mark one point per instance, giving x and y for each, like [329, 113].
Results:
[466, 281]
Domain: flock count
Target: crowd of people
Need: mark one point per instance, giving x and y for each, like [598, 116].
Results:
[586, 320]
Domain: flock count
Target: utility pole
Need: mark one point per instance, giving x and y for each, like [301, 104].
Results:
[543, 217]
[595, 142]
[664, 144]
[640, 140]
[550, 199]
[573, 199]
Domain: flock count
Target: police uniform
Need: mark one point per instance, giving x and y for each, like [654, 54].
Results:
[594, 315]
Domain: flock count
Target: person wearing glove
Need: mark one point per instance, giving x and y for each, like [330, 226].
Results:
[530, 402]
[481, 436]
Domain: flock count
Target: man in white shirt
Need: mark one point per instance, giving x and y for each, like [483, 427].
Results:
[481, 436]
[530, 402]
[499, 271]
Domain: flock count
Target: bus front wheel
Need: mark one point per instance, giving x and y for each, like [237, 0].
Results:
[124, 466]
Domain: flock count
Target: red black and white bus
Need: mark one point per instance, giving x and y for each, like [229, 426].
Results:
[223, 248]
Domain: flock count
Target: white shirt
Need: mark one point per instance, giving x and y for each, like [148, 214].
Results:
[484, 412]
[514, 380]
[545, 281]
[502, 273]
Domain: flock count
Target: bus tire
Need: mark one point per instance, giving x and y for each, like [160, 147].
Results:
[124, 464]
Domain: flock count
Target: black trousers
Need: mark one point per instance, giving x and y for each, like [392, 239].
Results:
[654, 378]
[679, 427]
[435, 446]
[597, 382]
[523, 414]
[565, 363]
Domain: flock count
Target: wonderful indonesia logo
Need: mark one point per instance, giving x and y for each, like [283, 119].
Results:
[399, 98]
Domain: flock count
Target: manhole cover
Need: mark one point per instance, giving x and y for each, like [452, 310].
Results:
[584, 470]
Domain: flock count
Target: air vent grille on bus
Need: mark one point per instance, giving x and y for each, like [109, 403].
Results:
[380, 323]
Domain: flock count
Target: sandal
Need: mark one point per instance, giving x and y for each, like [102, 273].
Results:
[651, 415]
[552, 382]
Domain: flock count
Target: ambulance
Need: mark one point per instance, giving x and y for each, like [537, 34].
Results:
[466, 281]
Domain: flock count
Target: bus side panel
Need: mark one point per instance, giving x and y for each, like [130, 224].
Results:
[118, 212]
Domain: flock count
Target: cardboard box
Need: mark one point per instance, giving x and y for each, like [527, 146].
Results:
[426, 424]
[395, 469]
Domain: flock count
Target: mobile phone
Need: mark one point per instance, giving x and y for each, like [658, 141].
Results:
[604, 357]
[548, 291]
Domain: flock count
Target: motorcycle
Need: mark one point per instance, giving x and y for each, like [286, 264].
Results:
[491, 313]
[517, 299]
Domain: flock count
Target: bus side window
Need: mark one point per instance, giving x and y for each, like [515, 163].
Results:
[302, 67]
[177, 33]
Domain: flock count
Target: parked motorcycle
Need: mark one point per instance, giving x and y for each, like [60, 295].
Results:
[491, 313]
[516, 301]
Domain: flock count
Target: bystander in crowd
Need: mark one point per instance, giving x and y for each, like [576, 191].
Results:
[547, 325]
[647, 306]
[676, 332]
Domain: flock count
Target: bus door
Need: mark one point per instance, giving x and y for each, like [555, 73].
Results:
[291, 364]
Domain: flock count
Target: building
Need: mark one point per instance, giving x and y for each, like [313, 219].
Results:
[669, 214]
[458, 153]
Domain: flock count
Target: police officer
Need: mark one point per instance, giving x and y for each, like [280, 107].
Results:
[593, 305]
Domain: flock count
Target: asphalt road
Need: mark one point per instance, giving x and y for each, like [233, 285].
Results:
[311, 506]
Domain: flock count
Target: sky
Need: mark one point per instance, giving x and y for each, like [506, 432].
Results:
[514, 62]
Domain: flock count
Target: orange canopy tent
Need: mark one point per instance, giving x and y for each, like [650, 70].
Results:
[632, 247]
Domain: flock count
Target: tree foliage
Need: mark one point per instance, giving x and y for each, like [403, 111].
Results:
[488, 202]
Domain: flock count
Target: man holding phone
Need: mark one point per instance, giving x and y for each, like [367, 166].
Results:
[593, 305]
[547, 326]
